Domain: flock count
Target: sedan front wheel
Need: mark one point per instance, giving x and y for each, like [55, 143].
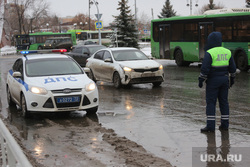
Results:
[91, 75]
[117, 80]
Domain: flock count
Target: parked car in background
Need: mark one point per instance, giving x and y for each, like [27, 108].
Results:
[124, 66]
[58, 43]
[50, 83]
[82, 52]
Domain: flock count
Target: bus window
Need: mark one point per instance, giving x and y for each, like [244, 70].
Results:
[155, 32]
[225, 27]
[241, 31]
[177, 30]
[32, 40]
[191, 32]
[94, 36]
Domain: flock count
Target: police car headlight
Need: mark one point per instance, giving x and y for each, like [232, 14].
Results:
[37, 90]
[90, 87]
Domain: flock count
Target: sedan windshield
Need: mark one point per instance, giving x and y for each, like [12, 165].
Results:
[48, 67]
[128, 55]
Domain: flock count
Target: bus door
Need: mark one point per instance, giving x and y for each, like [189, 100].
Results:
[205, 29]
[164, 39]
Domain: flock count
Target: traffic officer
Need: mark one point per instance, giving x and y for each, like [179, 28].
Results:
[218, 71]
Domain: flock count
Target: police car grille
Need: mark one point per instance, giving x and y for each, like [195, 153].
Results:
[144, 70]
[63, 90]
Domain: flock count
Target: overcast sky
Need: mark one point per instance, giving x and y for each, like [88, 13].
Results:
[108, 8]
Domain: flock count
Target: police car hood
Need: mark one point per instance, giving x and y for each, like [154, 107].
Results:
[140, 64]
[60, 82]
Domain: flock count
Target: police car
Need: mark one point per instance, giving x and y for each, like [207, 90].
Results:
[50, 83]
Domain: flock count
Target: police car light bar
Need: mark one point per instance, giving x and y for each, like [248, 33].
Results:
[43, 51]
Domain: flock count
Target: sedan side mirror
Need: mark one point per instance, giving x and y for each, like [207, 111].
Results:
[108, 60]
[86, 53]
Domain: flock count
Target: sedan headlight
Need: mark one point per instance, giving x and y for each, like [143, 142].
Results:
[161, 67]
[90, 87]
[127, 69]
[38, 90]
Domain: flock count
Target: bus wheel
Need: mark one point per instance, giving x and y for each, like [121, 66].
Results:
[179, 58]
[39, 48]
[242, 62]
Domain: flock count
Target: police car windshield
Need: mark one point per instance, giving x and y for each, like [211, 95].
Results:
[51, 66]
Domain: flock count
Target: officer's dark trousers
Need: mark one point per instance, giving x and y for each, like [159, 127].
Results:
[217, 88]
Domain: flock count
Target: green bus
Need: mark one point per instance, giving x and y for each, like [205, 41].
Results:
[183, 38]
[94, 35]
[35, 41]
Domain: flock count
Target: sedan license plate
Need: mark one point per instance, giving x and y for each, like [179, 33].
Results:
[148, 74]
[71, 99]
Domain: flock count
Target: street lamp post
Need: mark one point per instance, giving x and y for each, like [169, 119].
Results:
[47, 24]
[81, 25]
[90, 3]
[191, 5]
[98, 19]
[75, 27]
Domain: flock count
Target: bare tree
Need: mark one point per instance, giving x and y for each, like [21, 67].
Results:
[37, 15]
[144, 23]
[26, 15]
[82, 21]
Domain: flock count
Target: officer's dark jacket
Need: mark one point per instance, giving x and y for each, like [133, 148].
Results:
[207, 71]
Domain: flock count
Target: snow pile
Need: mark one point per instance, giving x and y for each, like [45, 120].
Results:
[7, 50]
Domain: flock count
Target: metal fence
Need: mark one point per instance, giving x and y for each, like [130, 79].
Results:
[11, 154]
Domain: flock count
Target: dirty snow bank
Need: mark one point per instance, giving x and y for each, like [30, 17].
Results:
[7, 50]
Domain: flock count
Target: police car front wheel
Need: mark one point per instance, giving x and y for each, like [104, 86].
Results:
[25, 112]
[9, 98]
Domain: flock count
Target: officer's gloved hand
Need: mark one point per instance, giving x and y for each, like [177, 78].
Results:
[201, 80]
[231, 81]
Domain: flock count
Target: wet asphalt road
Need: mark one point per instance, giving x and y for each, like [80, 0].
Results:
[166, 120]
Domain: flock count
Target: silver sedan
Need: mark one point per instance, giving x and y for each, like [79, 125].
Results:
[124, 66]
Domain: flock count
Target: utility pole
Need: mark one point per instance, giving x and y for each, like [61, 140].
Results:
[135, 15]
[89, 15]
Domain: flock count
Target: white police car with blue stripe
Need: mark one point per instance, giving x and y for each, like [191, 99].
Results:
[50, 83]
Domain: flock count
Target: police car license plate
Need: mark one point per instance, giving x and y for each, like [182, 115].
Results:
[71, 99]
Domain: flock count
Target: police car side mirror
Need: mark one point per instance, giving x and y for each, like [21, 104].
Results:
[86, 69]
[17, 74]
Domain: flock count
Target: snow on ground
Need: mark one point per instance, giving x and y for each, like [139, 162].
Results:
[7, 50]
